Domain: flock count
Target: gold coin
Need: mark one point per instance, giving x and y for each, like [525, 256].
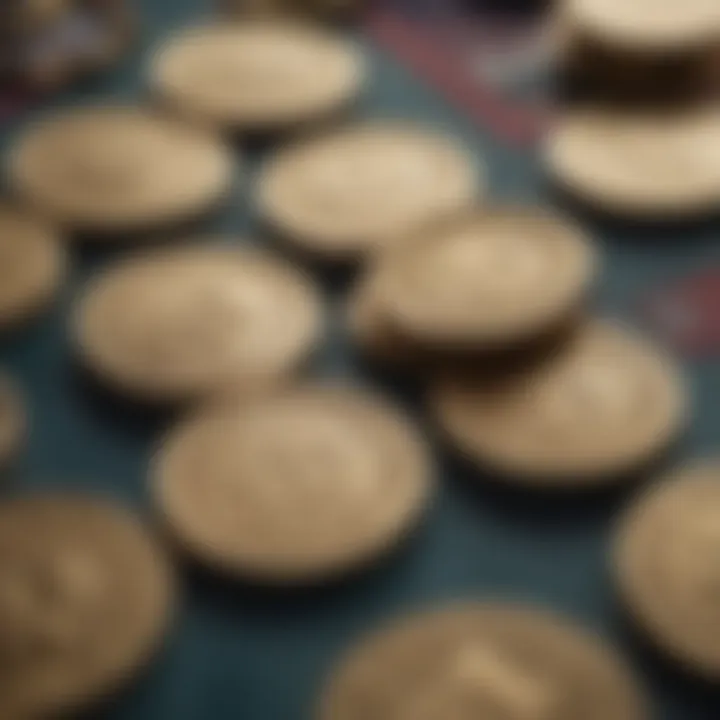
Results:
[177, 324]
[32, 267]
[482, 660]
[257, 75]
[347, 193]
[294, 486]
[118, 169]
[665, 565]
[639, 164]
[13, 420]
[604, 404]
[85, 599]
[486, 277]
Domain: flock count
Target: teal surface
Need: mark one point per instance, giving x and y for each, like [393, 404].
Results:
[240, 654]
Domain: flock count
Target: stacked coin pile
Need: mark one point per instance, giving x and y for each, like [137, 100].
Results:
[278, 478]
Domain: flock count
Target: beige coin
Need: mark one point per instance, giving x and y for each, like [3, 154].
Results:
[647, 25]
[176, 324]
[85, 599]
[257, 75]
[13, 420]
[665, 560]
[604, 404]
[482, 660]
[349, 192]
[486, 277]
[635, 164]
[32, 266]
[117, 169]
[295, 486]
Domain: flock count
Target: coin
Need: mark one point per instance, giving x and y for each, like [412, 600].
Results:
[13, 420]
[294, 486]
[32, 266]
[118, 169]
[664, 562]
[604, 404]
[257, 75]
[344, 194]
[638, 163]
[486, 277]
[85, 598]
[482, 660]
[177, 324]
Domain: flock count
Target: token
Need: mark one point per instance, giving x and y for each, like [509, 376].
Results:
[294, 486]
[85, 600]
[482, 660]
[257, 75]
[604, 404]
[666, 569]
[32, 267]
[638, 164]
[345, 194]
[118, 169]
[13, 420]
[486, 277]
[177, 324]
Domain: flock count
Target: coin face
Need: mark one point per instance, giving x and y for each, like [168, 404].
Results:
[605, 404]
[85, 598]
[347, 193]
[295, 486]
[638, 164]
[486, 277]
[482, 661]
[32, 267]
[173, 325]
[117, 169]
[665, 567]
[257, 75]
[13, 420]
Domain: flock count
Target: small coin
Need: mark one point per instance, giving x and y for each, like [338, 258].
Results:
[295, 486]
[32, 267]
[665, 561]
[118, 169]
[85, 598]
[638, 164]
[486, 277]
[604, 404]
[482, 660]
[257, 75]
[177, 324]
[13, 420]
[352, 191]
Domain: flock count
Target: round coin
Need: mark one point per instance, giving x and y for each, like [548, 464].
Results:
[349, 192]
[13, 420]
[257, 75]
[664, 561]
[295, 486]
[638, 164]
[604, 404]
[85, 599]
[482, 660]
[118, 169]
[177, 324]
[486, 277]
[32, 267]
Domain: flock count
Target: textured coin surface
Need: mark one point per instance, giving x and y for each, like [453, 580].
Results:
[349, 192]
[32, 266]
[176, 324]
[257, 75]
[474, 661]
[295, 486]
[13, 420]
[665, 562]
[85, 599]
[117, 169]
[638, 164]
[604, 404]
[489, 276]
